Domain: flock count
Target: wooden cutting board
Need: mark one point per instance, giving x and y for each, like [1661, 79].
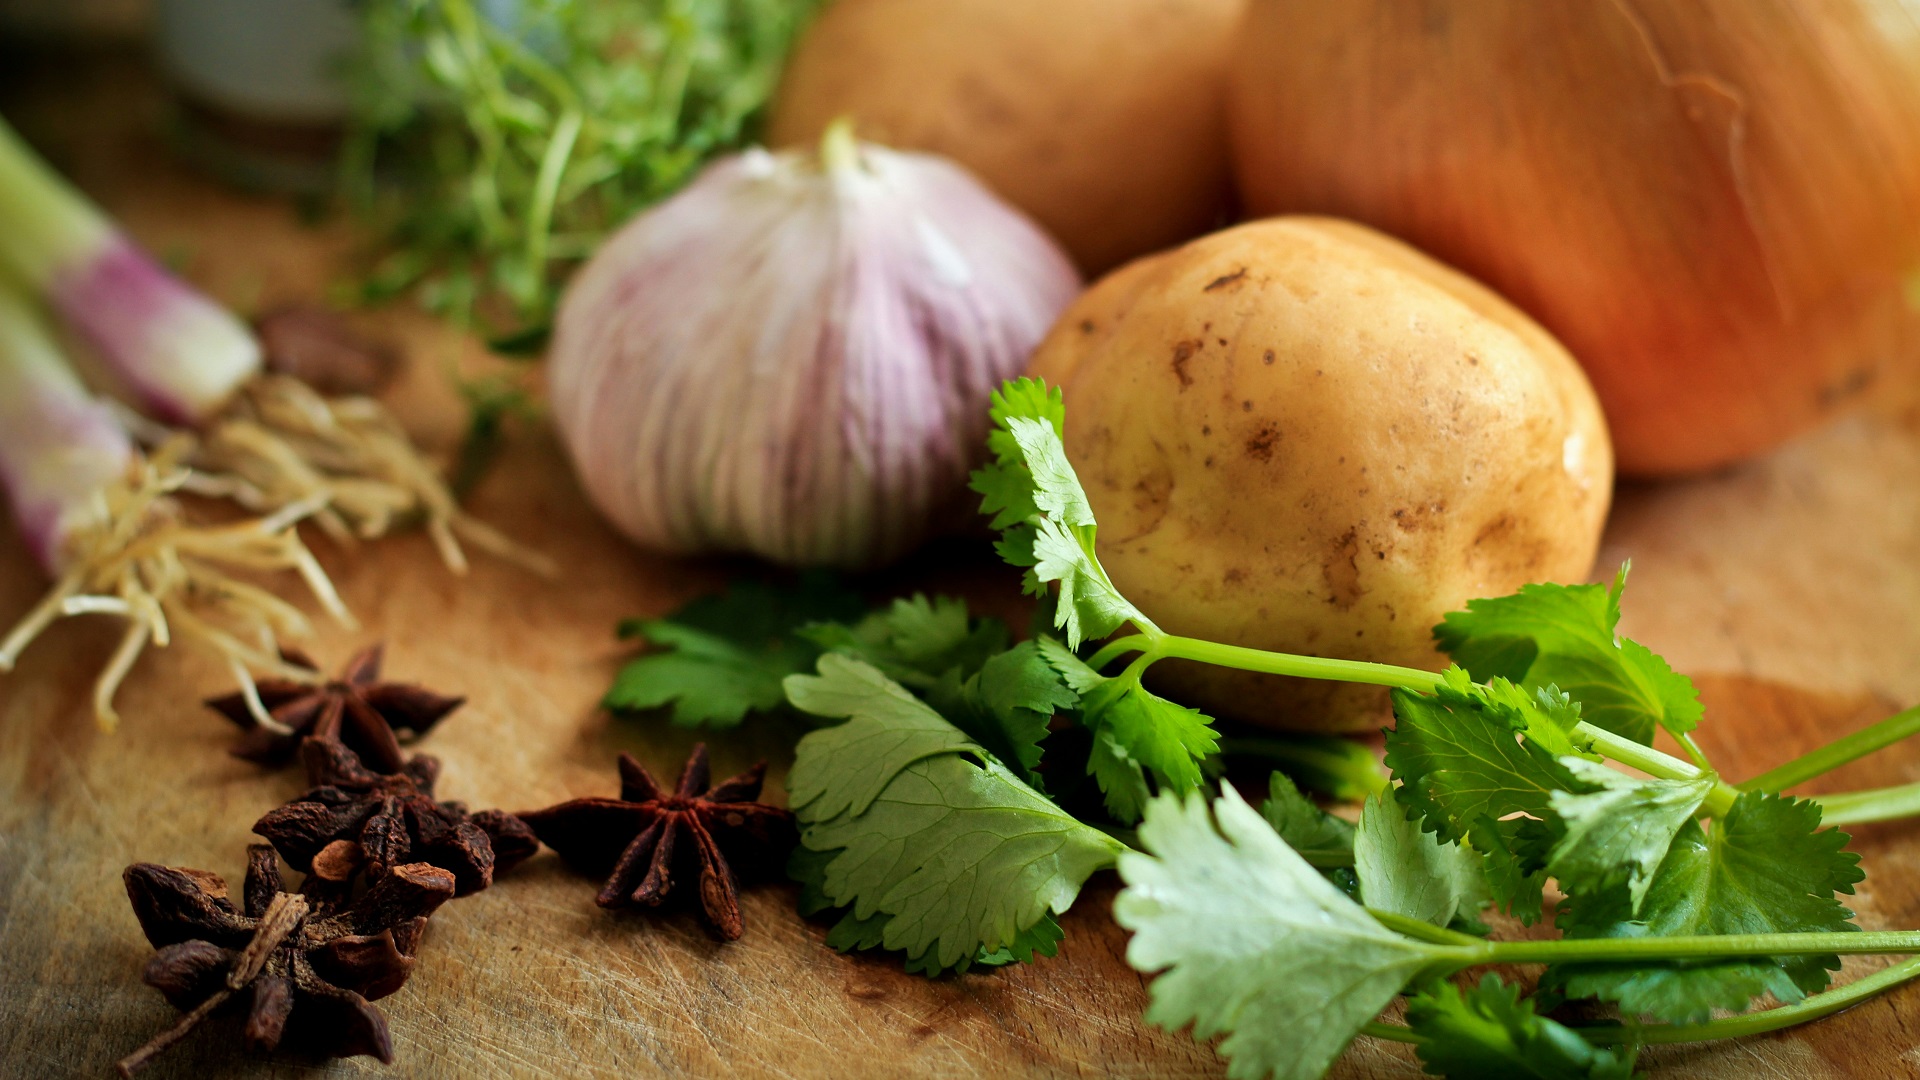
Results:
[1789, 588]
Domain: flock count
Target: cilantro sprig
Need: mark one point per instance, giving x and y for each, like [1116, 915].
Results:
[937, 819]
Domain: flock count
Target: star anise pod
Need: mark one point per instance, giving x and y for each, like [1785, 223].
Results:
[303, 976]
[648, 839]
[355, 819]
[356, 709]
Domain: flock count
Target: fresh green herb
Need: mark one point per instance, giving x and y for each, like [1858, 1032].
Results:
[1342, 769]
[1413, 874]
[1766, 867]
[1563, 635]
[930, 832]
[1252, 942]
[723, 657]
[915, 640]
[1620, 830]
[927, 830]
[1325, 841]
[1490, 1030]
[1006, 706]
[498, 144]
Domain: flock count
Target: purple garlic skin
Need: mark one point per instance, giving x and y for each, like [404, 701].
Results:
[793, 360]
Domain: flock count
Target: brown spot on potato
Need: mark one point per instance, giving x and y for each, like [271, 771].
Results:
[1087, 326]
[1182, 353]
[1497, 529]
[1341, 569]
[1267, 357]
[1260, 443]
[1416, 518]
[1234, 576]
[1226, 280]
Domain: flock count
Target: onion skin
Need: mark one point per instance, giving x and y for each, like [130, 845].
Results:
[1103, 119]
[1711, 202]
[794, 362]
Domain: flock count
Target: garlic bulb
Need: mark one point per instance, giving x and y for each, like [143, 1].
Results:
[792, 357]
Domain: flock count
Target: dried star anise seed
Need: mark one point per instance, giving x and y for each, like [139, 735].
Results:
[648, 839]
[356, 709]
[388, 820]
[300, 974]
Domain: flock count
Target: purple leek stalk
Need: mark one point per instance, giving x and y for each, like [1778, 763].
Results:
[179, 355]
[101, 521]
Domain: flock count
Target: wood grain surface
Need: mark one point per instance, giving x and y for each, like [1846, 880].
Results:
[1789, 588]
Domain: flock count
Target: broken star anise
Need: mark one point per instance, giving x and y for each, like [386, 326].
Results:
[356, 819]
[356, 709]
[648, 839]
[303, 976]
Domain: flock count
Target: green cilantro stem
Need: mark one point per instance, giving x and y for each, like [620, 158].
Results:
[1118, 647]
[1641, 949]
[1817, 1007]
[1425, 931]
[1157, 646]
[1893, 729]
[1654, 763]
[1305, 667]
[1873, 804]
[1734, 1027]
[1468, 951]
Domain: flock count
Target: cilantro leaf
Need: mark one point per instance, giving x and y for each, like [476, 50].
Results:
[1565, 635]
[1167, 738]
[915, 640]
[1491, 1031]
[723, 657]
[1460, 757]
[1034, 497]
[1766, 867]
[926, 827]
[1325, 841]
[1006, 705]
[1135, 731]
[1620, 828]
[1252, 942]
[886, 729]
[851, 933]
[1469, 756]
[1122, 779]
[1408, 872]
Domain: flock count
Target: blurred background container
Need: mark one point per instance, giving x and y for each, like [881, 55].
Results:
[257, 83]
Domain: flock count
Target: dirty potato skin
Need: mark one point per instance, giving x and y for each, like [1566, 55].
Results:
[1305, 436]
[1105, 120]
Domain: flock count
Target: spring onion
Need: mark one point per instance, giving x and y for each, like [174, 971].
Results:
[267, 441]
[101, 519]
[179, 355]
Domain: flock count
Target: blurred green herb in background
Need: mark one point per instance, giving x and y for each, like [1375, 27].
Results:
[497, 142]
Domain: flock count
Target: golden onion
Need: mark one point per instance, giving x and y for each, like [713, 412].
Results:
[1711, 202]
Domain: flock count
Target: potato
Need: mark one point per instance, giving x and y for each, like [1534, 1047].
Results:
[1302, 435]
[1103, 119]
